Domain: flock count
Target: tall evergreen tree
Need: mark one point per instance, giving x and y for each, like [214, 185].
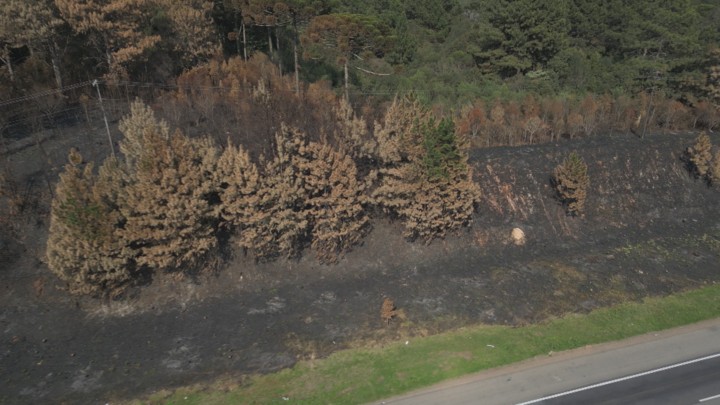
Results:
[85, 248]
[520, 35]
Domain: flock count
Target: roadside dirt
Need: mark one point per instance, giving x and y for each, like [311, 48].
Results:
[649, 230]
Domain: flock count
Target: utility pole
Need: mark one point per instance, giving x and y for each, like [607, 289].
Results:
[102, 108]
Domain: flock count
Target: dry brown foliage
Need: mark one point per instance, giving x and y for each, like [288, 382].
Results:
[351, 133]
[309, 190]
[715, 169]
[397, 136]
[387, 311]
[335, 201]
[85, 248]
[247, 100]
[429, 205]
[240, 191]
[280, 226]
[541, 120]
[700, 156]
[121, 28]
[168, 217]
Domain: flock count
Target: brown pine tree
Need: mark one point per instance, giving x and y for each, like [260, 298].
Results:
[240, 192]
[700, 156]
[282, 226]
[715, 169]
[351, 133]
[85, 248]
[309, 192]
[166, 205]
[119, 29]
[424, 177]
[337, 217]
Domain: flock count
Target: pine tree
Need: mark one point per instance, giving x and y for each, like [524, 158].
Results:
[346, 35]
[337, 217]
[282, 229]
[170, 218]
[240, 192]
[352, 134]
[308, 193]
[85, 248]
[388, 311]
[119, 29]
[424, 177]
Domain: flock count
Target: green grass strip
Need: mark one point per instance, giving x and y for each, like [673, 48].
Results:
[363, 375]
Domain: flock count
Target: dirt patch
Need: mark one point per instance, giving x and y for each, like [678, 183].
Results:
[649, 230]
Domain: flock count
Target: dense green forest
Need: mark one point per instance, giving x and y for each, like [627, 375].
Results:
[448, 52]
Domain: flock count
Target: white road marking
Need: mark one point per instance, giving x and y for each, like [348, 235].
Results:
[630, 377]
[710, 398]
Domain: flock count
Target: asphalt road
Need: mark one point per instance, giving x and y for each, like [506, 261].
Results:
[679, 366]
[690, 382]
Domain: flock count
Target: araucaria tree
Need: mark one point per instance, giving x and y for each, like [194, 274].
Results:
[571, 182]
[345, 36]
[85, 248]
[424, 177]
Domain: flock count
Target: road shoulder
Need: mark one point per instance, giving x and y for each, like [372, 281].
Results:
[557, 372]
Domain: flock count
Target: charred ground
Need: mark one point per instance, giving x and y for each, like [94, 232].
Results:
[649, 229]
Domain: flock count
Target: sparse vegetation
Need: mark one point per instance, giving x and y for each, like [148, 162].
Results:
[366, 375]
[387, 311]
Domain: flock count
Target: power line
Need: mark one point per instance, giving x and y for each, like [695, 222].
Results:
[162, 86]
[44, 93]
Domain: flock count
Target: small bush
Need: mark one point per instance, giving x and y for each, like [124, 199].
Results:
[715, 169]
[388, 311]
[700, 158]
[571, 182]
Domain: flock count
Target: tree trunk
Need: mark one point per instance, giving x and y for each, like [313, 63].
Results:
[270, 45]
[347, 80]
[277, 49]
[297, 69]
[244, 42]
[55, 65]
[7, 60]
[237, 32]
[295, 56]
[8, 63]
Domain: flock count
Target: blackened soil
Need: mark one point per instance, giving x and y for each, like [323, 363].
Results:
[649, 230]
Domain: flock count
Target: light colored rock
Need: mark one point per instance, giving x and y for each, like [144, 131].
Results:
[518, 236]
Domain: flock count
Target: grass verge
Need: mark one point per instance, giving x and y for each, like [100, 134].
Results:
[363, 375]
